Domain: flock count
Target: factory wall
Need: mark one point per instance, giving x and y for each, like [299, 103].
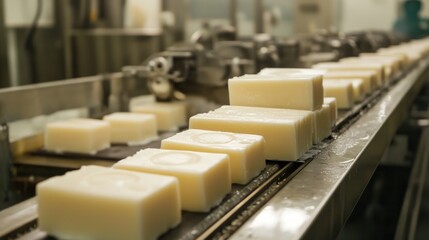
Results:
[359, 15]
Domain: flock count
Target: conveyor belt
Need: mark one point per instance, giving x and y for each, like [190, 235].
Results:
[316, 203]
[244, 201]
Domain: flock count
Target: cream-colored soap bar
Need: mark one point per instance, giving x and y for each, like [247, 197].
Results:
[390, 67]
[377, 68]
[411, 55]
[404, 58]
[132, 128]
[368, 77]
[204, 178]
[104, 203]
[358, 88]
[246, 151]
[287, 133]
[280, 71]
[78, 135]
[396, 61]
[322, 123]
[342, 91]
[293, 91]
[306, 118]
[170, 115]
[332, 103]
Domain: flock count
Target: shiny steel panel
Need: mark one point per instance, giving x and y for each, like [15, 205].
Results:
[28, 101]
[17, 216]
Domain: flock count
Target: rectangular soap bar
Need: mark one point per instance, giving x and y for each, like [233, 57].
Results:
[204, 178]
[406, 62]
[390, 67]
[306, 118]
[377, 68]
[368, 77]
[396, 59]
[246, 151]
[322, 123]
[132, 128]
[78, 135]
[412, 56]
[279, 71]
[169, 115]
[104, 203]
[293, 91]
[287, 133]
[332, 103]
[358, 88]
[342, 91]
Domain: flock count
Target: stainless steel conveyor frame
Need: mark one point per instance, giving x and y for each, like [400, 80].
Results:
[317, 201]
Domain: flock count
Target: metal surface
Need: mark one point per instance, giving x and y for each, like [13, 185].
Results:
[18, 216]
[5, 162]
[4, 64]
[407, 223]
[317, 202]
[28, 101]
[142, 32]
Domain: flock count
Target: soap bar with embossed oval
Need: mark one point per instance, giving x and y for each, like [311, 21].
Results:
[246, 151]
[288, 133]
[105, 203]
[204, 178]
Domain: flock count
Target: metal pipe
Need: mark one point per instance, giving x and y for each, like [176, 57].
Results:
[259, 16]
[5, 163]
[233, 14]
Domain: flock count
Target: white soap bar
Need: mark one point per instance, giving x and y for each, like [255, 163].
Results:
[293, 91]
[342, 91]
[335, 66]
[169, 115]
[78, 135]
[322, 123]
[104, 203]
[246, 151]
[368, 77]
[132, 128]
[204, 178]
[287, 133]
[358, 88]
[332, 103]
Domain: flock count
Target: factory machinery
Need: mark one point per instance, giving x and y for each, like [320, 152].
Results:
[311, 198]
